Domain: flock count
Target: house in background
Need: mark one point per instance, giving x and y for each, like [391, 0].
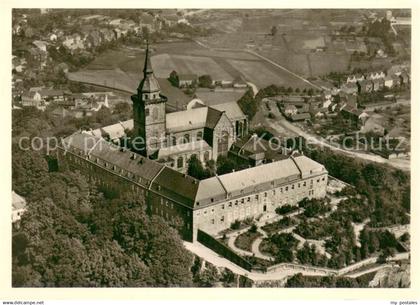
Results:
[365, 86]
[388, 81]
[350, 88]
[378, 84]
[354, 117]
[239, 82]
[187, 80]
[18, 207]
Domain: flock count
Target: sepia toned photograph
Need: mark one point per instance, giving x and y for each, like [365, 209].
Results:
[211, 148]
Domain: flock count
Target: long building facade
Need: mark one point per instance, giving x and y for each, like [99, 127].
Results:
[189, 204]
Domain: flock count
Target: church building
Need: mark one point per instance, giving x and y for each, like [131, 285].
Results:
[172, 138]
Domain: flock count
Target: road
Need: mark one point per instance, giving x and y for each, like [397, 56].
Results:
[280, 123]
[279, 274]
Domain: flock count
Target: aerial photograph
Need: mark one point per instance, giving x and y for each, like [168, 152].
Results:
[221, 148]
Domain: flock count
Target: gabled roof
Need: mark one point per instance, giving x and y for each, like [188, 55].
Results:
[266, 173]
[352, 110]
[123, 159]
[114, 131]
[300, 116]
[192, 119]
[187, 119]
[213, 117]
[18, 202]
[176, 185]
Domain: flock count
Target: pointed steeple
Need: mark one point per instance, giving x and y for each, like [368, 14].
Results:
[147, 64]
[149, 83]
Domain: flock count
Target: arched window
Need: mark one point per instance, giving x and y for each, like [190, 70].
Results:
[206, 156]
[223, 143]
[199, 135]
[180, 162]
[173, 140]
[186, 138]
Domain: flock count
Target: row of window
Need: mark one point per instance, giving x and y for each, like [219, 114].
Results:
[107, 165]
[246, 212]
[186, 138]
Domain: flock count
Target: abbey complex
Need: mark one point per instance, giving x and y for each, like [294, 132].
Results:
[156, 171]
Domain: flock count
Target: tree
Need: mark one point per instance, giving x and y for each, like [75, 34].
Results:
[273, 30]
[174, 79]
[207, 277]
[205, 81]
[248, 104]
[196, 169]
[253, 228]
[225, 165]
[386, 253]
[296, 280]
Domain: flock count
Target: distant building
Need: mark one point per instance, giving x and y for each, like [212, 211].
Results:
[378, 84]
[254, 151]
[365, 86]
[239, 82]
[349, 88]
[18, 207]
[405, 78]
[354, 117]
[187, 80]
[388, 81]
[375, 75]
[373, 125]
[355, 78]
[300, 117]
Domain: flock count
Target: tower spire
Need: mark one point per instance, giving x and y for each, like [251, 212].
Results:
[147, 64]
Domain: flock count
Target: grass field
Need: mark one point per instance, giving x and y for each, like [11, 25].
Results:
[263, 74]
[324, 63]
[114, 78]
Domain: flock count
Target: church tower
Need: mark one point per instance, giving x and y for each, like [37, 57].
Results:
[149, 112]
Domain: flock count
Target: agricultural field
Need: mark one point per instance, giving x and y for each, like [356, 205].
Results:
[164, 64]
[323, 63]
[126, 59]
[297, 63]
[113, 78]
[263, 75]
[188, 57]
